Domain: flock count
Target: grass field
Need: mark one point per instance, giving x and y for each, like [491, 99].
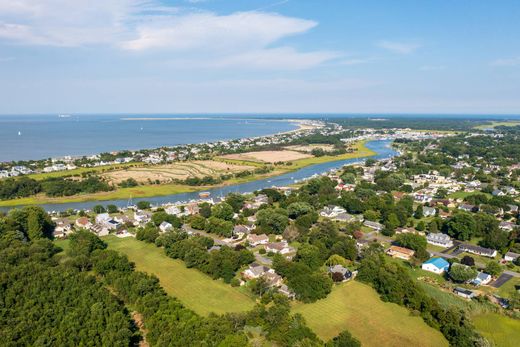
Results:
[176, 171]
[496, 124]
[193, 288]
[463, 195]
[502, 331]
[357, 307]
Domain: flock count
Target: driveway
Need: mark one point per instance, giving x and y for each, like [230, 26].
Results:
[501, 280]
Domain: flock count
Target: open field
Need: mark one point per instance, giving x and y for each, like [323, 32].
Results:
[176, 171]
[194, 289]
[268, 156]
[357, 307]
[502, 331]
[309, 148]
[496, 124]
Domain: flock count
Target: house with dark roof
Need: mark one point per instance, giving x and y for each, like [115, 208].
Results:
[486, 252]
[463, 292]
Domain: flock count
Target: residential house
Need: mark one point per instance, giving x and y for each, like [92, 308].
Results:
[373, 225]
[83, 223]
[142, 217]
[510, 190]
[273, 279]
[343, 217]
[332, 211]
[346, 273]
[481, 279]
[241, 230]
[429, 211]
[62, 229]
[165, 226]
[511, 256]
[255, 240]
[468, 207]
[400, 252]
[486, 252]
[279, 247]
[439, 239]
[191, 209]
[256, 271]
[463, 292]
[284, 290]
[103, 218]
[436, 265]
[497, 192]
[173, 210]
[513, 209]
[507, 226]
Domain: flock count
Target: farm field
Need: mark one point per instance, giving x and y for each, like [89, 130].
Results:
[268, 156]
[502, 331]
[357, 307]
[194, 289]
[176, 171]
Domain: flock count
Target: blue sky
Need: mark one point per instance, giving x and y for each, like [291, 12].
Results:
[259, 56]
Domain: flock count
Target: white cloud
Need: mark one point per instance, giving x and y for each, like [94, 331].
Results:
[237, 39]
[506, 62]
[399, 47]
[195, 31]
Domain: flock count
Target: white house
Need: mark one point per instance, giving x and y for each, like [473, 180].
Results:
[436, 265]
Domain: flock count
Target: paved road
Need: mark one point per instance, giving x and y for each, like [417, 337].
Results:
[501, 280]
[263, 260]
[512, 273]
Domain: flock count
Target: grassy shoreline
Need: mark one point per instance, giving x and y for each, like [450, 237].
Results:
[147, 191]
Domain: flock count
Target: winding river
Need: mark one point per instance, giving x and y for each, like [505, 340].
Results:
[382, 148]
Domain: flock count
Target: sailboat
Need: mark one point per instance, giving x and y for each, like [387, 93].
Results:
[19, 133]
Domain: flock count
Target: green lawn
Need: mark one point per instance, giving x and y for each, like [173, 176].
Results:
[357, 307]
[496, 124]
[194, 289]
[502, 331]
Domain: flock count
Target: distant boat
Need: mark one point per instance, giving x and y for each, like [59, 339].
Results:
[204, 195]
[19, 133]
[64, 115]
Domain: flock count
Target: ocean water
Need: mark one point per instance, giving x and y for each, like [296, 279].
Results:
[46, 136]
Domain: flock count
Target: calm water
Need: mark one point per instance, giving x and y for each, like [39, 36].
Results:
[382, 148]
[39, 137]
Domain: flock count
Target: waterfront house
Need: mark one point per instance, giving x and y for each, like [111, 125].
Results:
[439, 239]
[436, 265]
[83, 223]
[400, 252]
[486, 252]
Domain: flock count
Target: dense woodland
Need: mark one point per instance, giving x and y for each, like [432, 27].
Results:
[84, 296]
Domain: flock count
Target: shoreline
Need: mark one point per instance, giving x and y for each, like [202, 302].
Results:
[149, 191]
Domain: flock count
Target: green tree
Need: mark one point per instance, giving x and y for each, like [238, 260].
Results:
[344, 339]
[493, 268]
[297, 209]
[462, 273]
[461, 226]
[309, 255]
[419, 212]
[222, 211]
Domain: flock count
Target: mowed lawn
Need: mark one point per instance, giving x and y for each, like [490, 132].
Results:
[356, 307]
[194, 289]
[502, 331]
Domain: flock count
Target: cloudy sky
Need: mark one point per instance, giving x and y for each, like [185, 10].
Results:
[259, 56]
